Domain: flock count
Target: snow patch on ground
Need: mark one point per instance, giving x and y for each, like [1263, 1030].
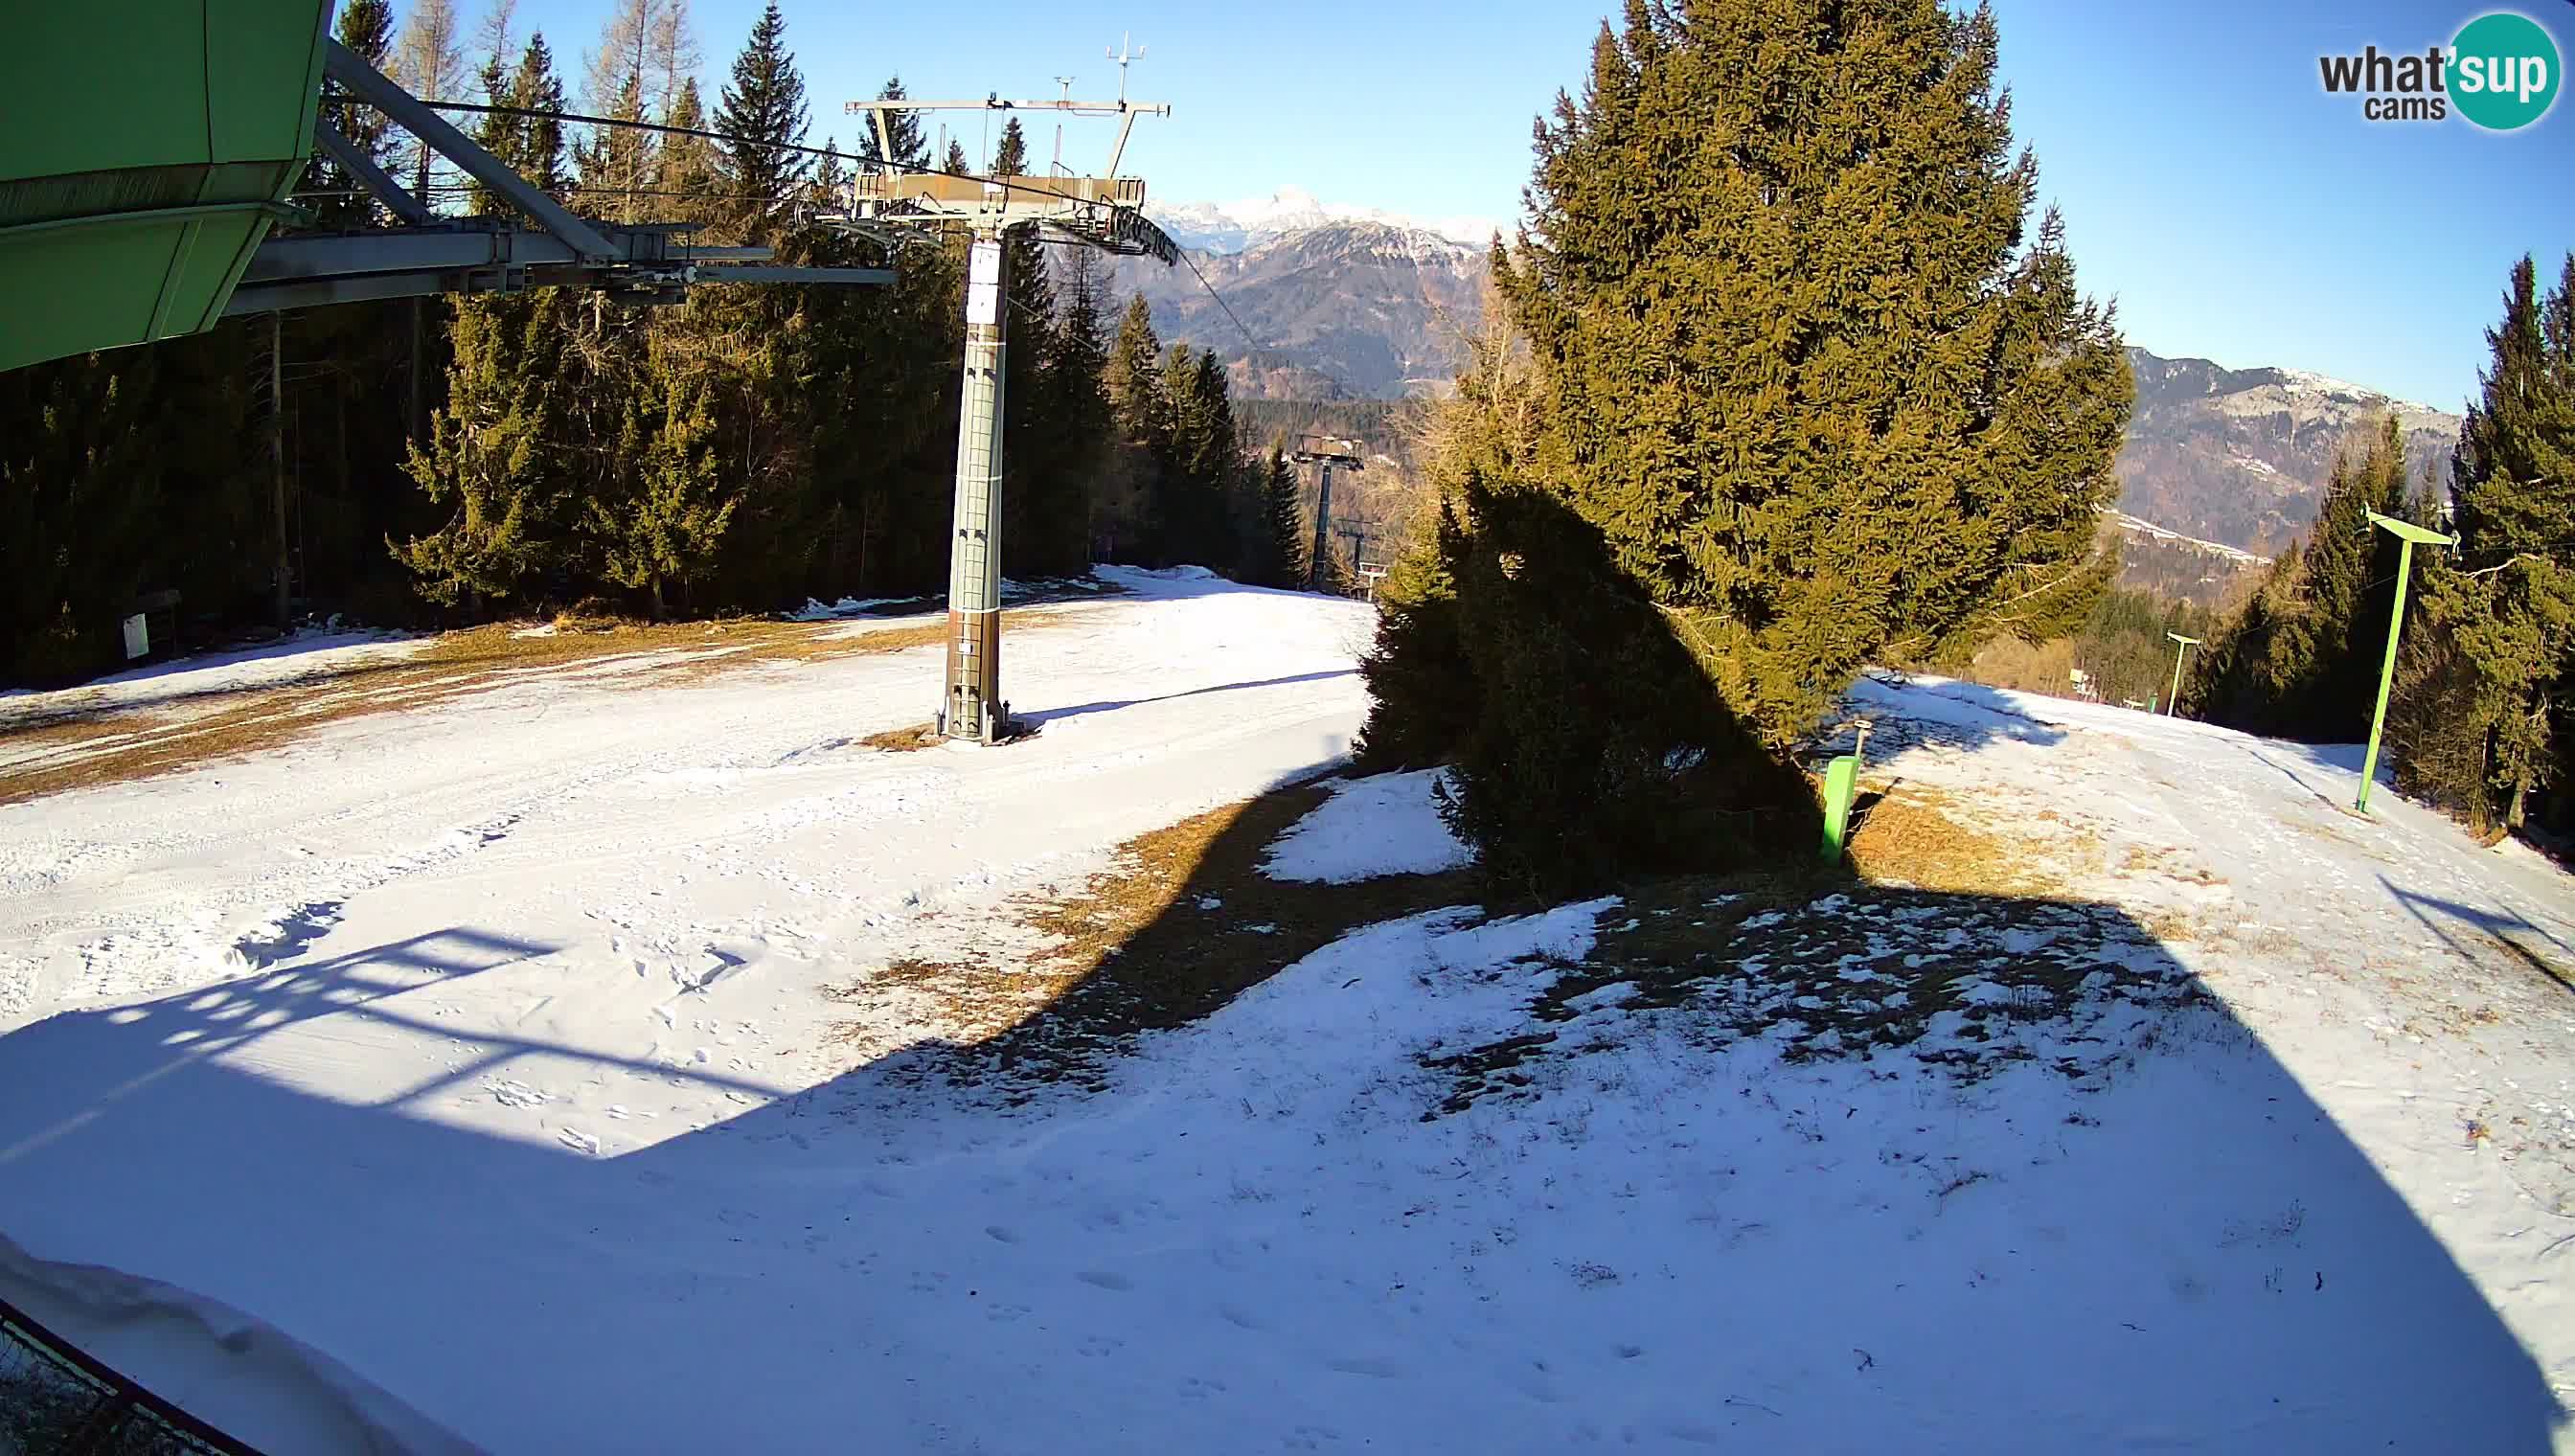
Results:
[1388, 824]
[494, 1051]
[814, 610]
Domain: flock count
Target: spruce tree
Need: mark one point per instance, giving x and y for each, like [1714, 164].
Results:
[540, 142]
[1283, 524]
[1133, 376]
[688, 179]
[491, 459]
[1131, 527]
[2301, 658]
[1200, 463]
[830, 174]
[2503, 620]
[365, 27]
[955, 164]
[668, 525]
[1801, 361]
[496, 131]
[910, 148]
[1011, 158]
[761, 115]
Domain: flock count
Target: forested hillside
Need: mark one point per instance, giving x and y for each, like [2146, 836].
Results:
[457, 459]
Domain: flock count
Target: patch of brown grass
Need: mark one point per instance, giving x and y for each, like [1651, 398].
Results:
[231, 723]
[905, 740]
[1914, 836]
[1182, 923]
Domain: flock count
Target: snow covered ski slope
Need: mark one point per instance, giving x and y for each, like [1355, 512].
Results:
[563, 1064]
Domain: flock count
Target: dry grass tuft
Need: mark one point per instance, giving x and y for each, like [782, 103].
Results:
[905, 740]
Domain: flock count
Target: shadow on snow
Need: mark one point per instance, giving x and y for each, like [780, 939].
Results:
[894, 1255]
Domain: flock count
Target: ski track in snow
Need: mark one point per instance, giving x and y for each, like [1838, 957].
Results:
[483, 1049]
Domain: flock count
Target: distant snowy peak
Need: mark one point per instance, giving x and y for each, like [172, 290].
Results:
[1237, 227]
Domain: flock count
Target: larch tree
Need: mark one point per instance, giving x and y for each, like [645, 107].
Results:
[428, 63]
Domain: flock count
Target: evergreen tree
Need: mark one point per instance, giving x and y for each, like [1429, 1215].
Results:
[910, 148]
[955, 164]
[79, 487]
[1796, 362]
[688, 178]
[1068, 416]
[1130, 525]
[831, 175]
[539, 154]
[490, 459]
[1199, 462]
[2301, 658]
[1011, 158]
[2494, 650]
[1566, 776]
[498, 132]
[1282, 525]
[668, 523]
[1133, 376]
[365, 27]
[761, 115]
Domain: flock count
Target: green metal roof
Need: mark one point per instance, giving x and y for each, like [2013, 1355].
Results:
[145, 149]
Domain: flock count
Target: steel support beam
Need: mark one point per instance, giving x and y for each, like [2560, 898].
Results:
[371, 86]
[375, 179]
[757, 274]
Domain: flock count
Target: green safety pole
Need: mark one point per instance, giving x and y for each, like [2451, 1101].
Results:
[2173, 703]
[1841, 785]
[2407, 532]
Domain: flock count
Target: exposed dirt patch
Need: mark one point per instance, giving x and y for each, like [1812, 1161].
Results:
[84, 747]
[1180, 925]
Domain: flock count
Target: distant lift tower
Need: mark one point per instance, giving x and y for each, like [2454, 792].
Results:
[1103, 212]
[1323, 454]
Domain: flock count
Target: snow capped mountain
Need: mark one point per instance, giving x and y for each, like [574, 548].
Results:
[1236, 226]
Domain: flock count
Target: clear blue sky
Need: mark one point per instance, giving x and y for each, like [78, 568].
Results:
[2235, 211]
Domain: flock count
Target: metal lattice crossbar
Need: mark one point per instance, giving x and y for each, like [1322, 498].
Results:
[55, 1400]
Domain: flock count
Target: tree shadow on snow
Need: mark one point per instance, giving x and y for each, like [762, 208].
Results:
[1969, 715]
[1788, 1161]
[2511, 931]
[2178, 1244]
[1049, 715]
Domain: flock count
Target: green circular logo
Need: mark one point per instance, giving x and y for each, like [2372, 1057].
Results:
[2504, 71]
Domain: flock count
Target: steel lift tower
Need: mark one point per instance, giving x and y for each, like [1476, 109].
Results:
[1323, 454]
[1104, 211]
